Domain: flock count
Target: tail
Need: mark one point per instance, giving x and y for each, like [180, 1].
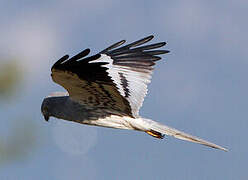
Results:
[157, 130]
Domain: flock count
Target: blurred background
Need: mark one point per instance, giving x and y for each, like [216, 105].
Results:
[199, 87]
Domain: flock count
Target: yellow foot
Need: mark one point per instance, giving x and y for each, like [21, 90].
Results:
[155, 134]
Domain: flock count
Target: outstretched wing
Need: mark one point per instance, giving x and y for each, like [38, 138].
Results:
[115, 79]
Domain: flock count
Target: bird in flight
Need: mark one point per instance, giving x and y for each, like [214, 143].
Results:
[108, 89]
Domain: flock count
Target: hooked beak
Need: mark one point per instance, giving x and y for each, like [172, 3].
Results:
[46, 118]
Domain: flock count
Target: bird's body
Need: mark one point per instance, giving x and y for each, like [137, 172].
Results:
[108, 89]
[70, 110]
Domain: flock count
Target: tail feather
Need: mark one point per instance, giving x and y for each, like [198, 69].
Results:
[155, 126]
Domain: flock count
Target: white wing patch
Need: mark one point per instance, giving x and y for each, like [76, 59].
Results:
[135, 87]
[112, 73]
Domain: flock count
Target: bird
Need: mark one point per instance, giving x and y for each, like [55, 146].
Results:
[108, 89]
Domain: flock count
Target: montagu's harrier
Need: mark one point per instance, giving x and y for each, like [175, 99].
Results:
[108, 89]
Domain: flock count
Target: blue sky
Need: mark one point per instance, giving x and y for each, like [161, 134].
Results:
[200, 87]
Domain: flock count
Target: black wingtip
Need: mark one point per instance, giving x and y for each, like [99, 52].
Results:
[65, 57]
[113, 46]
[141, 41]
[61, 60]
[155, 58]
[157, 52]
[163, 44]
[149, 38]
[80, 55]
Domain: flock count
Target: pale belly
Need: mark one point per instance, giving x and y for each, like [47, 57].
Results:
[117, 122]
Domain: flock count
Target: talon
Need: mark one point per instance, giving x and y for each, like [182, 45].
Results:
[155, 134]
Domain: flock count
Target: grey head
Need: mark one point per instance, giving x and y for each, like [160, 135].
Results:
[52, 104]
[62, 107]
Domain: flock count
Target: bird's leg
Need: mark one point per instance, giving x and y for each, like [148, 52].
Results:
[155, 134]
